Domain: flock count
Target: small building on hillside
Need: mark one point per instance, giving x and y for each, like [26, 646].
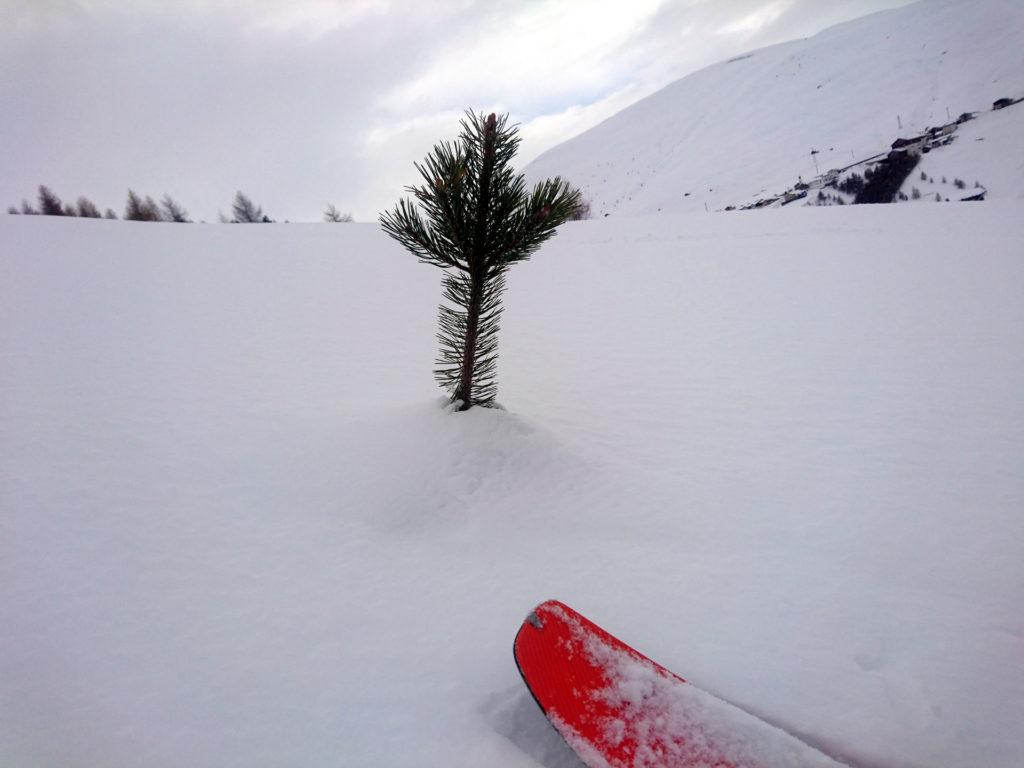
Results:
[826, 179]
[966, 116]
[1001, 103]
[943, 130]
[913, 145]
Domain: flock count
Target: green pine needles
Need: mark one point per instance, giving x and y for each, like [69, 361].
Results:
[476, 219]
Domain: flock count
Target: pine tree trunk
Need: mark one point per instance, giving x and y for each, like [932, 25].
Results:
[477, 268]
[465, 390]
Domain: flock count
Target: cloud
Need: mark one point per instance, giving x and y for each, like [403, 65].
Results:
[531, 55]
[543, 132]
[27, 16]
[756, 20]
[317, 17]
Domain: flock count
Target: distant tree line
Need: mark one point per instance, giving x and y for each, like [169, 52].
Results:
[48, 204]
[137, 208]
[883, 181]
[245, 211]
[145, 208]
[333, 216]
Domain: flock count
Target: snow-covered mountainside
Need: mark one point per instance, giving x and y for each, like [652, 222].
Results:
[778, 452]
[745, 129]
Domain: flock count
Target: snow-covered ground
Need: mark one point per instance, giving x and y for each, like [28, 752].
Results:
[778, 452]
[744, 129]
[988, 151]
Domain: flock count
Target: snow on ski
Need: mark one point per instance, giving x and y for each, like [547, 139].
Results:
[618, 709]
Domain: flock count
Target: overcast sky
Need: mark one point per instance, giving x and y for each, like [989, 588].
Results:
[304, 102]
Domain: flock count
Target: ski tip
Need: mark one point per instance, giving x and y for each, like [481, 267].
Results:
[535, 622]
[534, 617]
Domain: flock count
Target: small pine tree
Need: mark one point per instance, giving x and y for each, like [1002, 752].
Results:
[13, 210]
[49, 203]
[246, 211]
[109, 214]
[333, 216]
[27, 209]
[924, 176]
[172, 211]
[152, 210]
[133, 209]
[915, 193]
[139, 209]
[87, 209]
[70, 210]
[938, 198]
[476, 219]
[959, 183]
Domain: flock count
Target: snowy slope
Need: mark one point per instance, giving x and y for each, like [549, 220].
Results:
[780, 453]
[988, 151]
[738, 130]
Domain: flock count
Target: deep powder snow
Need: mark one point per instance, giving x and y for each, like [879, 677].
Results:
[780, 452]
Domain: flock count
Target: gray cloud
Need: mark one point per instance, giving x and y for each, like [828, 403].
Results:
[313, 101]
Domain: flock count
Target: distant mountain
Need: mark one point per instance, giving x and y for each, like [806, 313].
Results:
[753, 126]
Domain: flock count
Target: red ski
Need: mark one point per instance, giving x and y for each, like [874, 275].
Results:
[618, 709]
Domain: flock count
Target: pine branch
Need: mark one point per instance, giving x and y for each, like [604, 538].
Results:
[407, 227]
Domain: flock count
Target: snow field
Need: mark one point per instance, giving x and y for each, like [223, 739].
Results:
[778, 452]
